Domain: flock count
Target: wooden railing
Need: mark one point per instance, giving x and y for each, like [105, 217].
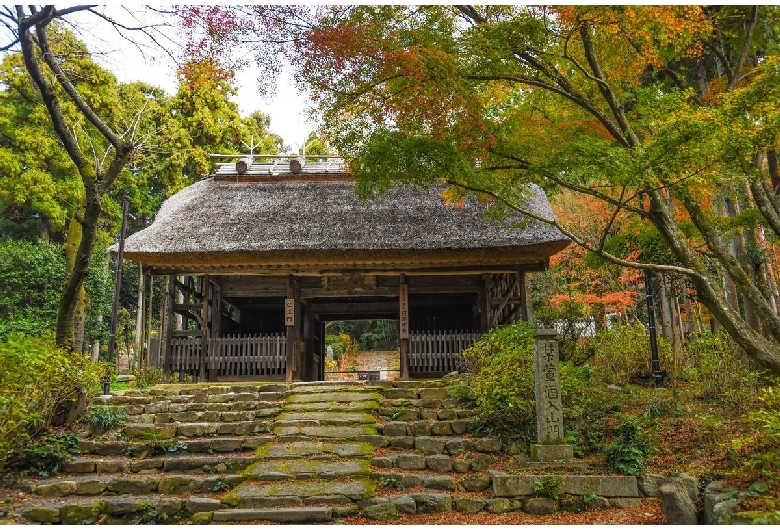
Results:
[185, 355]
[254, 355]
[436, 352]
[259, 356]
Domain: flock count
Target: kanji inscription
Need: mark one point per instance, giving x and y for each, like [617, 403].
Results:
[549, 410]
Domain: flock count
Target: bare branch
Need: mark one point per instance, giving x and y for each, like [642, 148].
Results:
[74, 95]
[574, 237]
[734, 79]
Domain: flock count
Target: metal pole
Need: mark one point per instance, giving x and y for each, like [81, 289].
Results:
[657, 375]
[115, 308]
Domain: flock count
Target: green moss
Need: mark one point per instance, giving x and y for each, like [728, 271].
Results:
[262, 450]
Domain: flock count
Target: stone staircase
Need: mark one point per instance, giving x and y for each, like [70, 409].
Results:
[288, 453]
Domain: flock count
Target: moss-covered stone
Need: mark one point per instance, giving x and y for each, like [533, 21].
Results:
[179, 484]
[78, 514]
[42, 514]
[202, 517]
[60, 488]
[381, 512]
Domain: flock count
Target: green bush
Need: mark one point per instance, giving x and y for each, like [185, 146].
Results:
[46, 457]
[35, 379]
[503, 368]
[629, 450]
[764, 447]
[717, 370]
[100, 419]
[503, 389]
[623, 352]
[149, 376]
[31, 276]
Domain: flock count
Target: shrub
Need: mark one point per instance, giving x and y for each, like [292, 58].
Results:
[717, 371]
[46, 457]
[623, 352]
[35, 379]
[503, 389]
[629, 450]
[149, 376]
[30, 278]
[760, 453]
[100, 419]
[503, 381]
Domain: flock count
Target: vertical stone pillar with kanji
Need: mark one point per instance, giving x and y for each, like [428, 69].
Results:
[549, 408]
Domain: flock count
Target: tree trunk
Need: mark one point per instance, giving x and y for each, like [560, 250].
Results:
[69, 307]
[708, 288]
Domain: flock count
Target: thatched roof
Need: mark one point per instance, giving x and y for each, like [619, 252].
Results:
[251, 221]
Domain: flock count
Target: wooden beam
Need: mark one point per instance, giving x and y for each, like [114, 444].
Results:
[169, 299]
[354, 308]
[505, 299]
[204, 327]
[293, 331]
[403, 301]
[317, 269]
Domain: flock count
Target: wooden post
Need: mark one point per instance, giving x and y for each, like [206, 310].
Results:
[292, 319]
[403, 324]
[204, 327]
[485, 316]
[169, 297]
[525, 303]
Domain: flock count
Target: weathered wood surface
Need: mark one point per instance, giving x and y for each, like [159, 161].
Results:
[438, 351]
[232, 355]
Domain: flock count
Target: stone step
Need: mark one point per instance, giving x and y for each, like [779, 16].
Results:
[332, 432]
[304, 514]
[339, 386]
[190, 446]
[120, 509]
[333, 417]
[166, 431]
[475, 482]
[155, 464]
[297, 492]
[314, 449]
[335, 397]
[367, 407]
[434, 427]
[451, 445]
[302, 468]
[110, 485]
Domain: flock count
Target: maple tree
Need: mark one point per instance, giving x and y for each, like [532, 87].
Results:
[667, 115]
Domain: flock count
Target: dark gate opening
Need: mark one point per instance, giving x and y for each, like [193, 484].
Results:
[361, 350]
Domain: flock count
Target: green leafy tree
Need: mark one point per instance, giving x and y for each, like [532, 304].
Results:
[664, 114]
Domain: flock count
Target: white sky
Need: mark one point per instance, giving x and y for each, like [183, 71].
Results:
[286, 109]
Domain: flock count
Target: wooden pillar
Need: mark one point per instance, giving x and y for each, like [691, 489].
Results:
[403, 324]
[485, 315]
[204, 327]
[169, 298]
[292, 320]
[525, 303]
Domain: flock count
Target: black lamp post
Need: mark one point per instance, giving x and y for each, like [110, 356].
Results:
[115, 308]
[657, 375]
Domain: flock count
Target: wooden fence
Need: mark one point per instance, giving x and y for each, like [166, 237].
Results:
[233, 356]
[437, 352]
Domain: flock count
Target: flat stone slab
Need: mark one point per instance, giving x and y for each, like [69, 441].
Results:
[317, 468]
[276, 515]
[247, 495]
[311, 448]
[328, 418]
[324, 431]
[506, 485]
[337, 397]
[356, 406]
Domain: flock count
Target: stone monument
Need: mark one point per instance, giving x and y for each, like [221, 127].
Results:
[550, 446]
